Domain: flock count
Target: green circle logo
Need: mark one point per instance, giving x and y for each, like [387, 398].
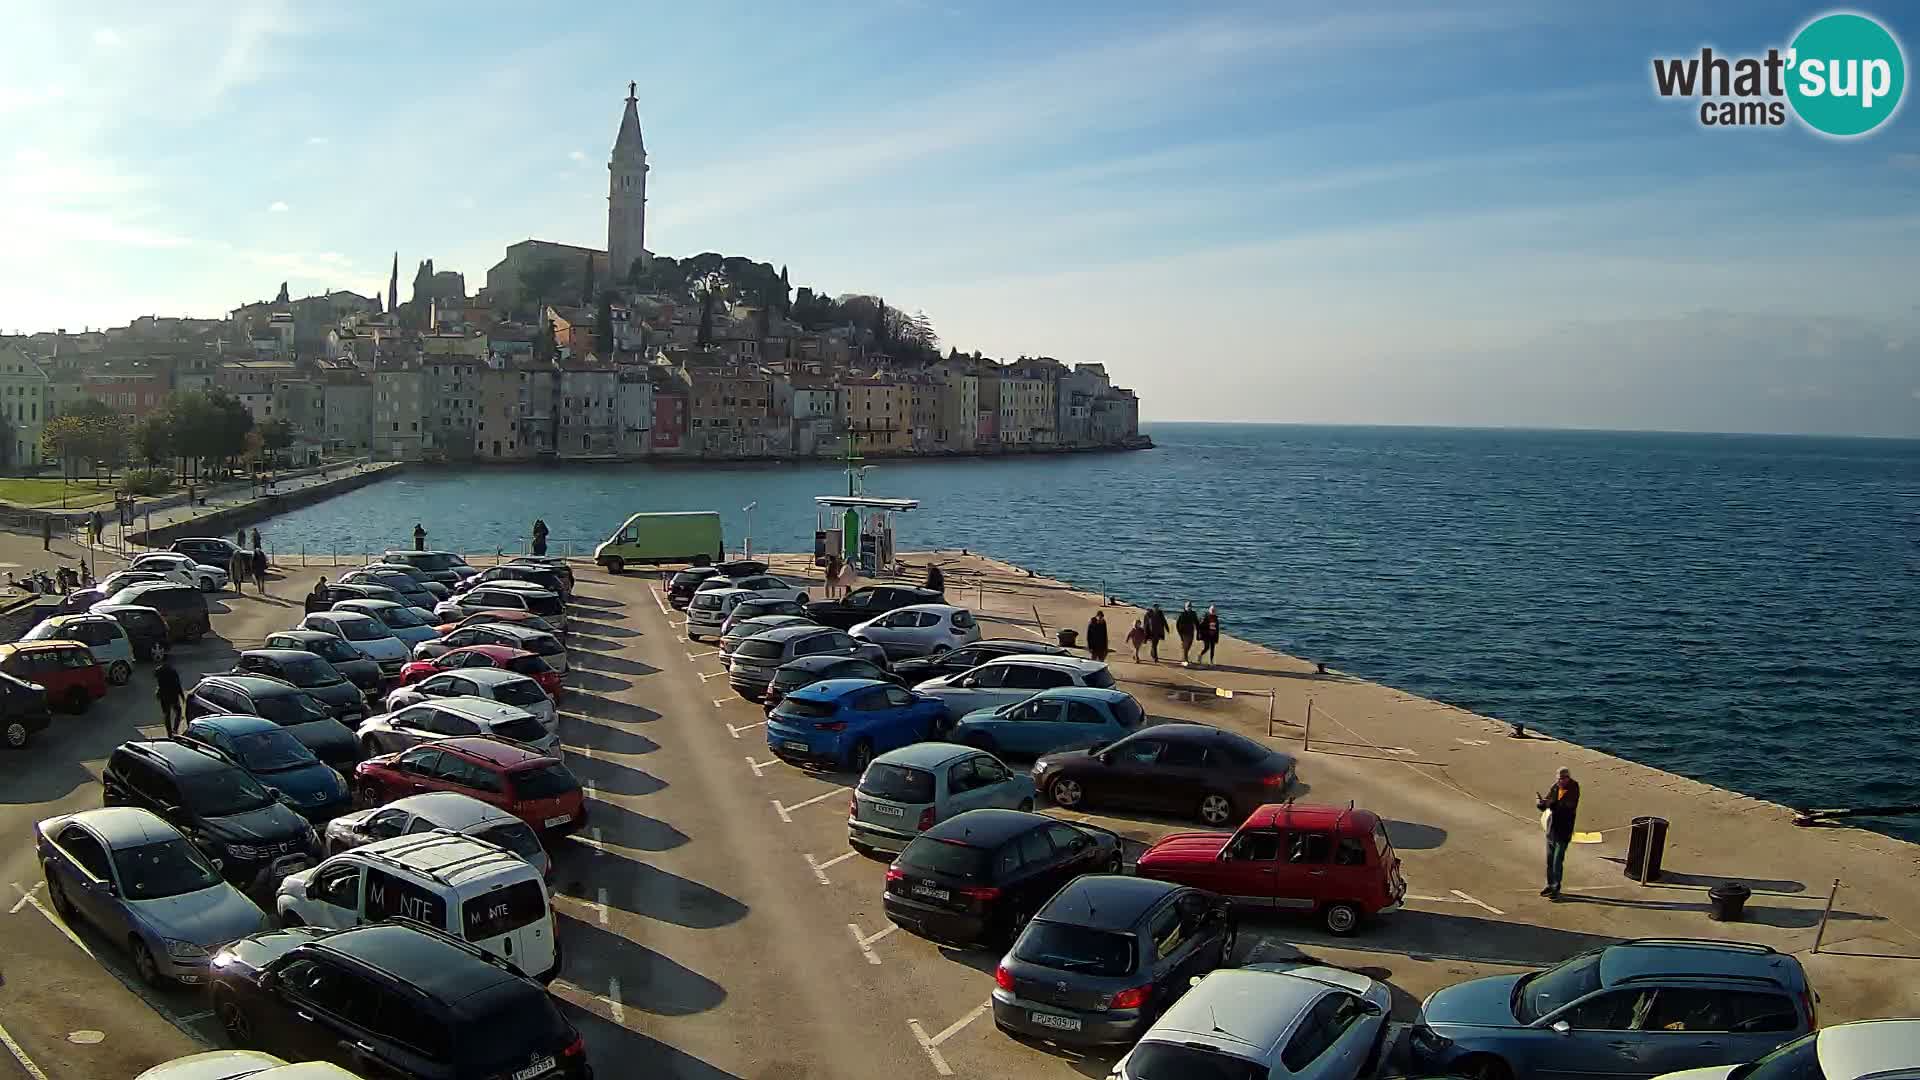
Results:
[1848, 74]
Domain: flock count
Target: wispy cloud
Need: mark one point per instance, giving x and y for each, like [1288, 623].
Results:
[107, 37]
[316, 140]
[576, 155]
[277, 206]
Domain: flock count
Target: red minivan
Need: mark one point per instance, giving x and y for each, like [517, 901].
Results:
[1335, 861]
[531, 786]
[73, 680]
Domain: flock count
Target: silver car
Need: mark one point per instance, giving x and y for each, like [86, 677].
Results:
[920, 630]
[1009, 680]
[742, 629]
[750, 669]
[441, 718]
[1301, 1021]
[430, 810]
[491, 683]
[904, 792]
[138, 881]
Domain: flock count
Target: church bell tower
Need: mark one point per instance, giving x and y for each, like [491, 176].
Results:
[627, 194]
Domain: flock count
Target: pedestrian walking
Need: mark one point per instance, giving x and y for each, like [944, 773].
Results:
[46, 532]
[1097, 636]
[1156, 630]
[240, 538]
[317, 599]
[936, 580]
[539, 536]
[98, 524]
[1137, 637]
[1558, 808]
[260, 570]
[256, 539]
[419, 537]
[846, 578]
[239, 569]
[1185, 624]
[1209, 634]
[166, 683]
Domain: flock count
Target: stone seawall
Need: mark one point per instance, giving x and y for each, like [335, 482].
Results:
[223, 520]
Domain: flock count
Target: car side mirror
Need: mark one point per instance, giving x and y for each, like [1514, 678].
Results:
[1372, 1008]
[106, 888]
[1194, 981]
[1104, 757]
[1561, 1027]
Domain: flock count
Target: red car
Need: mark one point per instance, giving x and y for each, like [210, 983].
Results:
[531, 786]
[72, 678]
[495, 656]
[1335, 861]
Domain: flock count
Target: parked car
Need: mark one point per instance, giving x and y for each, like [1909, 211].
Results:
[412, 593]
[23, 711]
[544, 577]
[547, 605]
[846, 723]
[337, 591]
[807, 670]
[750, 669]
[239, 1064]
[417, 720]
[510, 635]
[81, 600]
[1106, 956]
[444, 567]
[556, 563]
[143, 886]
[920, 630]
[740, 630]
[182, 607]
[518, 661]
[1008, 680]
[103, 636]
[300, 713]
[1053, 720]
[252, 837]
[976, 878]
[146, 629]
[437, 589]
[485, 684]
[907, 791]
[272, 755]
[337, 651]
[967, 657]
[753, 609]
[320, 679]
[368, 635]
[681, 585]
[303, 991]
[1861, 1050]
[205, 550]
[502, 617]
[121, 579]
[707, 612]
[867, 602]
[1268, 1020]
[447, 810]
[1333, 861]
[532, 786]
[1187, 769]
[669, 537]
[207, 578]
[763, 586]
[64, 669]
[1636, 1009]
[409, 624]
[455, 884]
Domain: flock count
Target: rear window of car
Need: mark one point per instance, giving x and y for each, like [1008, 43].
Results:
[361, 629]
[516, 836]
[1100, 680]
[528, 665]
[690, 577]
[802, 709]
[897, 782]
[1129, 713]
[545, 605]
[1075, 948]
[705, 601]
[502, 911]
[544, 644]
[1153, 1060]
[519, 692]
[288, 708]
[173, 599]
[525, 729]
[754, 649]
[507, 1034]
[543, 781]
[946, 857]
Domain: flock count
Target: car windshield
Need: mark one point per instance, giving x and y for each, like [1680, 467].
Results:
[309, 671]
[168, 868]
[361, 629]
[271, 751]
[124, 596]
[789, 678]
[286, 709]
[1797, 1060]
[519, 692]
[897, 782]
[507, 1035]
[544, 781]
[756, 649]
[690, 577]
[1181, 1061]
[224, 791]
[1542, 992]
[1075, 948]
[1100, 680]
[706, 602]
[945, 857]
[516, 836]
[401, 618]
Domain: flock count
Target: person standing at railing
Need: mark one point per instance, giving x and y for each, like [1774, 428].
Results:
[539, 536]
[419, 537]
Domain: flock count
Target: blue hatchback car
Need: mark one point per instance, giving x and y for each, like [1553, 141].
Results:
[275, 758]
[845, 723]
[1067, 716]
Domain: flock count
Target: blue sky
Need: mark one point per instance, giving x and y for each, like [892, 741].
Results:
[1379, 213]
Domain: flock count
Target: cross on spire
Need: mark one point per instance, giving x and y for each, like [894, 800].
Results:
[631, 87]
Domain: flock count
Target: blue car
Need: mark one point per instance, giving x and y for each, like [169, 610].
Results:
[845, 723]
[1066, 716]
[275, 758]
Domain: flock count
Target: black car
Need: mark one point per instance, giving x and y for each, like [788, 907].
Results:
[283, 703]
[1106, 956]
[967, 657]
[254, 838]
[346, 659]
[205, 550]
[337, 592]
[555, 563]
[681, 586]
[544, 576]
[317, 677]
[868, 601]
[182, 607]
[146, 629]
[23, 711]
[807, 670]
[412, 592]
[1191, 770]
[392, 999]
[977, 877]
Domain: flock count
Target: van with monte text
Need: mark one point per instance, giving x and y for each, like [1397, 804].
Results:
[663, 538]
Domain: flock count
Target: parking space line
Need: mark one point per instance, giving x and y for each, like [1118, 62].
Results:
[705, 675]
[820, 868]
[786, 811]
[197, 1017]
[600, 906]
[720, 702]
[864, 942]
[25, 895]
[659, 600]
[698, 655]
[20, 1055]
[735, 731]
[58, 924]
[135, 987]
[756, 766]
[1478, 902]
[932, 1044]
[613, 999]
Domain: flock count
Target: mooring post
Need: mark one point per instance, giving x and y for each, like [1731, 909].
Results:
[1306, 737]
[1828, 910]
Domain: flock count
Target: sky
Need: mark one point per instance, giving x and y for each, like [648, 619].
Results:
[1473, 213]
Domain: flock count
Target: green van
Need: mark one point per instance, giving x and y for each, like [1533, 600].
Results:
[663, 538]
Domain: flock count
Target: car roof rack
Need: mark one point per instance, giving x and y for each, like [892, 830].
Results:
[1714, 943]
[1700, 976]
[437, 874]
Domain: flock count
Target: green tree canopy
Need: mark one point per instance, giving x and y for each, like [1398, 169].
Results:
[541, 281]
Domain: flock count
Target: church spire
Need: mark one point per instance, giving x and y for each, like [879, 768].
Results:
[393, 287]
[628, 142]
[627, 194]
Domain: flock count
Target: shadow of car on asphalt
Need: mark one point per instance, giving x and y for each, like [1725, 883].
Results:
[581, 679]
[583, 733]
[649, 981]
[623, 828]
[595, 707]
[594, 661]
[603, 775]
[617, 1050]
[635, 886]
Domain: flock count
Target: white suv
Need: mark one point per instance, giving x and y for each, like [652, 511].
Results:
[464, 886]
[1009, 680]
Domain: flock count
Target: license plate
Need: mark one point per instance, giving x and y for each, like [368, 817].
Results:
[560, 820]
[188, 979]
[795, 746]
[1057, 1023]
[538, 1068]
[932, 893]
[890, 811]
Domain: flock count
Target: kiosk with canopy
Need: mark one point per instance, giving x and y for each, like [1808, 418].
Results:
[857, 526]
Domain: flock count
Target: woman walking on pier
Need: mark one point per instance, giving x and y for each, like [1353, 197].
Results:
[1097, 636]
[1156, 630]
[239, 569]
[1209, 634]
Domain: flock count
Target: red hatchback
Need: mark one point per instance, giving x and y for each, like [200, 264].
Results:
[1335, 861]
[518, 661]
[531, 786]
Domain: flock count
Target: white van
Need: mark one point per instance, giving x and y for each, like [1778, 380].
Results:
[707, 611]
[467, 887]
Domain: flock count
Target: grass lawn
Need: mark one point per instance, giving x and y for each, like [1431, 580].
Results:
[41, 492]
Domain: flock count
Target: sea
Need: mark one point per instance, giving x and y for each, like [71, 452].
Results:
[1740, 609]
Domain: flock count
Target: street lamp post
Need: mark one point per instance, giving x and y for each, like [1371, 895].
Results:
[749, 511]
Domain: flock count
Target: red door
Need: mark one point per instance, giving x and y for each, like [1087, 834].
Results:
[1304, 878]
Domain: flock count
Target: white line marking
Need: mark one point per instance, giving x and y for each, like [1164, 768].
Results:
[1397, 751]
[820, 868]
[1470, 742]
[705, 675]
[613, 998]
[597, 841]
[587, 789]
[698, 655]
[20, 1055]
[735, 731]
[587, 752]
[933, 1055]
[25, 895]
[865, 942]
[784, 811]
[657, 599]
[1432, 899]
[138, 990]
[58, 924]
[1472, 900]
[954, 1027]
[600, 906]
[756, 766]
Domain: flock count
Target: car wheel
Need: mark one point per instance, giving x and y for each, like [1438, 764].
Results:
[1113, 865]
[1484, 1067]
[143, 964]
[235, 1024]
[207, 585]
[16, 734]
[157, 651]
[61, 904]
[1227, 941]
[616, 565]
[119, 672]
[1065, 792]
[79, 700]
[862, 756]
[1341, 917]
[1215, 809]
[1026, 806]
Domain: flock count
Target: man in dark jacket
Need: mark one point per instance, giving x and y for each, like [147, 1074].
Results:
[1097, 636]
[1560, 804]
[1185, 624]
[319, 598]
[419, 537]
[539, 536]
[1156, 630]
[167, 688]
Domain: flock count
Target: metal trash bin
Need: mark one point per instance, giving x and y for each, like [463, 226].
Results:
[1646, 843]
[1729, 899]
[1068, 637]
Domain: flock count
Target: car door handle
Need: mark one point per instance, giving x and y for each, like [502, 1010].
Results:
[303, 1016]
[1621, 1045]
[1316, 873]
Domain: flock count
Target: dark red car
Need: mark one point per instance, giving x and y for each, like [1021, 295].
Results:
[519, 661]
[524, 782]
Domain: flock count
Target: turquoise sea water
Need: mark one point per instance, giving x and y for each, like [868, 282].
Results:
[1740, 609]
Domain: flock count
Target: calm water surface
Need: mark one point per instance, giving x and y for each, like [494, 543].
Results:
[1740, 609]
